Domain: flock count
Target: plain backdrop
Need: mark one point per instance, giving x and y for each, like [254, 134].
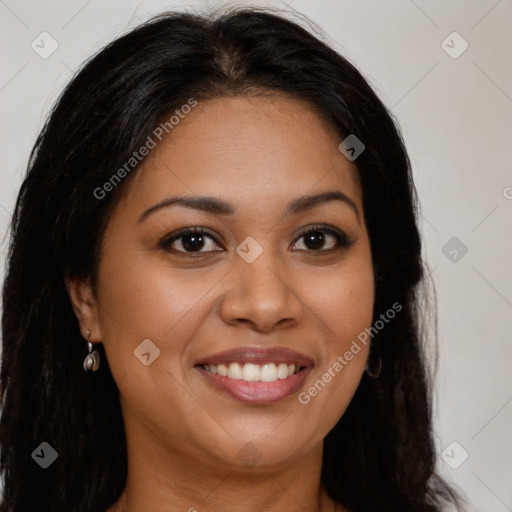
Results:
[452, 96]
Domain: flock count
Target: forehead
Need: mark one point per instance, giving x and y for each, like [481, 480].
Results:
[247, 150]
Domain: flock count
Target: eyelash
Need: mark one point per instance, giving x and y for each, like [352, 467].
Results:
[342, 240]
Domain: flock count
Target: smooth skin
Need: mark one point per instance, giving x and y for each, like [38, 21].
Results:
[184, 437]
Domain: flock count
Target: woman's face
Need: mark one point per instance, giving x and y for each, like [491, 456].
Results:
[250, 294]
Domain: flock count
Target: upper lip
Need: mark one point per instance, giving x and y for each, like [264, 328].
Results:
[257, 355]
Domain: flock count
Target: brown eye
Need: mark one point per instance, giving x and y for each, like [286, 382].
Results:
[316, 237]
[189, 240]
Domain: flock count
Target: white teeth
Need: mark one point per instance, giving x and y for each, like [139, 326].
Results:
[282, 371]
[235, 371]
[269, 372]
[251, 372]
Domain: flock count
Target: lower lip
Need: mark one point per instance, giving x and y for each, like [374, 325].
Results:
[257, 392]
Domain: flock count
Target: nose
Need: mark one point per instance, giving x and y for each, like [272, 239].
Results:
[261, 294]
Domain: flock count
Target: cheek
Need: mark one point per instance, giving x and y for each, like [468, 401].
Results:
[143, 298]
[146, 289]
[344, 301]
[344, 309]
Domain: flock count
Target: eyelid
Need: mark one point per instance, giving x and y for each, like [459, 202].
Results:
[327, 228]
[168, 239]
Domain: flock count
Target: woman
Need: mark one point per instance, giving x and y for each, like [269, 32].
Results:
[211, 296]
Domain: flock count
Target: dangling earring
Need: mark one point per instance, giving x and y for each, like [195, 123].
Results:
[92, 359]
[374, 372]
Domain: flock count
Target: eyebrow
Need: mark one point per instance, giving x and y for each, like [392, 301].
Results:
[216, 206]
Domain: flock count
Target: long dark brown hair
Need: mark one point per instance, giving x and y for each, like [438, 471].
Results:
[380, 456]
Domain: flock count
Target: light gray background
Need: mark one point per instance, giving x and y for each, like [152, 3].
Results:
[456, 115]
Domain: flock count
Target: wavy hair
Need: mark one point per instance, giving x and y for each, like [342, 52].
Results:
[380, 456]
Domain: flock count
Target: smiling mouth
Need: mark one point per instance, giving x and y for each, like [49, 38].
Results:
[249, 372]
[256, 375]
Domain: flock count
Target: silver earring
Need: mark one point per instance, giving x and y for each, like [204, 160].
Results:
[92, 359]
[374, 372]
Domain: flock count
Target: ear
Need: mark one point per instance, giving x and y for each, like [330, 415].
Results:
[85, 306]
